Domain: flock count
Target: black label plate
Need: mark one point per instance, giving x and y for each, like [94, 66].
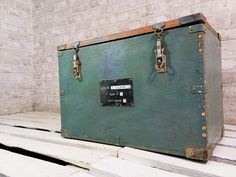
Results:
[117, 92]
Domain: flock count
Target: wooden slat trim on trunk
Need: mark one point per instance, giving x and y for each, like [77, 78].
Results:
[140, 31]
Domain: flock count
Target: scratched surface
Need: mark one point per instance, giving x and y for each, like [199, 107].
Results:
[166, 116]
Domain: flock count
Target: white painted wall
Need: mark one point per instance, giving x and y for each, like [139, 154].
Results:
[16, 76]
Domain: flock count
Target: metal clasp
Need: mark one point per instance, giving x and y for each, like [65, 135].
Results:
[160, 64]
[76, 64]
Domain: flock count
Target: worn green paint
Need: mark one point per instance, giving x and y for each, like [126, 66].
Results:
[167, 113]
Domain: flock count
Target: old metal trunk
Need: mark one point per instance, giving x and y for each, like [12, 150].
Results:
[114, 94]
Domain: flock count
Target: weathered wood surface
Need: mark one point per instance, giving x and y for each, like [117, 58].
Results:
[34, 120]
[52, 137]
[101, 160]
[81, 156]
[113, 167]
[230, 127]
[231, 134]
[16, 165]
[177, 165]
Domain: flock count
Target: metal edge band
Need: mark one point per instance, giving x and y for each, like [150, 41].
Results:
[191, 19]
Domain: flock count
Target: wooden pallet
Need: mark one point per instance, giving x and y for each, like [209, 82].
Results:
[38, 133]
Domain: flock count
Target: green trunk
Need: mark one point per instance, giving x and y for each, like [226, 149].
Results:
[171, 112]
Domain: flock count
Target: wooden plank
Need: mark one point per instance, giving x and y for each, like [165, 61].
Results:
[23, 137]
[15, 165]
[57, 139]
[47, 121]
[79, 174]
[50, 126]
[177, 165]
[40, 115]
[32, 117]
[115, 167]
[44, 114]
[226, 141]
[82, 157]
[230, 127]
[33, 120]
[222, 152]
[231, 134]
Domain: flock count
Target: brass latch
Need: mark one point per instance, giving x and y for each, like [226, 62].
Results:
[76, 64]
[160, 64]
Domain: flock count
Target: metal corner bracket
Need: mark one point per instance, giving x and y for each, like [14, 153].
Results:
[203, 154]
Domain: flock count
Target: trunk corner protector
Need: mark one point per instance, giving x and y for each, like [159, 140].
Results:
[190, 19]
[203, 154]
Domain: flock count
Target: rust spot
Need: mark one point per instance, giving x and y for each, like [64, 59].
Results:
[203, 154]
